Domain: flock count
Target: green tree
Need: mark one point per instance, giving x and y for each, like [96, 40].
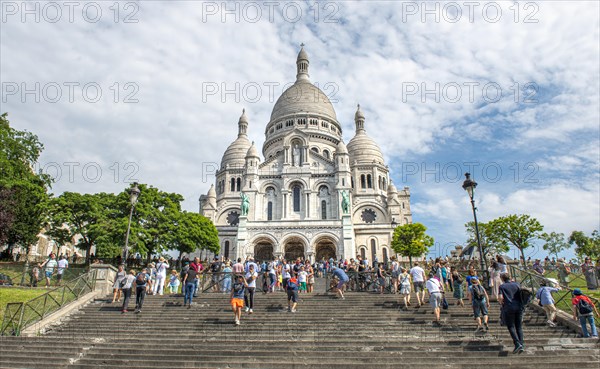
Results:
[584, 245]
[410, 240]
[554, 243]
[517, 230]
[23, 193]
[84, 217]
[489, 245]
[195, 232]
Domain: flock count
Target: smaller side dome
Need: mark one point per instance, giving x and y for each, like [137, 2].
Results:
[359, 114]
[252, 152]
[341, 148]
[392, 189]
[211, 192]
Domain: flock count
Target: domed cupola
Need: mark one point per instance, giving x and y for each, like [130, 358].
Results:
[252, 152]
[235, 154]
[362, 148]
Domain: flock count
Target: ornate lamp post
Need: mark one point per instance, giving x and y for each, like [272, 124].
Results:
[134, 193]
[469, 186]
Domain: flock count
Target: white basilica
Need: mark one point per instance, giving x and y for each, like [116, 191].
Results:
[293, 195]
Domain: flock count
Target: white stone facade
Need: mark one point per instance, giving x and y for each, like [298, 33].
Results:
[295, 192]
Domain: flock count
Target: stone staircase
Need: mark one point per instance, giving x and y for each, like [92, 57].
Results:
[364, 331]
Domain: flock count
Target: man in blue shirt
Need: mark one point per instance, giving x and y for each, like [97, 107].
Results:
[544, 295]
[512, 311]
[343, 279]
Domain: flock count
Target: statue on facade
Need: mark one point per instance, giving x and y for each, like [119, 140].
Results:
[296, 156]
[345, 202]
[245, 203]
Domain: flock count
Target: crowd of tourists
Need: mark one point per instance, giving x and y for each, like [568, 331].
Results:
[426, 281]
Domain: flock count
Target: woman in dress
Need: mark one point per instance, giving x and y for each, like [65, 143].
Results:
[495, 280]
[588, 270]
[121, 274]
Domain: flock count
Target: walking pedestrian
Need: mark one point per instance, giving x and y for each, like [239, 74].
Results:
[161, 276]
[121, 274]
[480, 302]
[50, 264]
[142, 282]
[512, 311]
[395, 274]
[435, 288]
[583, 309]
[62, 265]
[189, 285]
[342, 280]
[227, 277]
[292, 294]
[457, 283]
[418, 277]
[544, 296]
[237, 297]
[174, 282]
[251, 288]
[126, 285]
[404, 279]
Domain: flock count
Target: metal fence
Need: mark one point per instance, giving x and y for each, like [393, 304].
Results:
[20, 315]
[562, 298]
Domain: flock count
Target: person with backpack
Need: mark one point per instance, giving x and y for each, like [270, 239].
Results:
[292, 294]
[125, 286]
[271, 267]
[546, 301]
[142, 282]
[584, 309]
[215, 269]
[436, 290]
[480, 302]
[512, 311]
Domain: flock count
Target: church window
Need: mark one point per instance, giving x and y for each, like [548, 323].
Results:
[385, 254]
[313, 122]
[272, 130]
[323, 209]
[343, 182]
[226, 253]
[326, 154]
[239, 184]
[324, 124]
[302, 122]
[373, 250]
[379, 182]
[362, 181]
[368, 215]
[315, 149]
[250, 184]
[270, 210]
[369, 182]
[383, 181]
[296, 195]
[403, 206]
[363, 253]
[232, 184]
[289, 123]
[352, 182]
[279, 125]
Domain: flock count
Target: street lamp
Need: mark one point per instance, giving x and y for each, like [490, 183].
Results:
[469, 186]
[134, 193]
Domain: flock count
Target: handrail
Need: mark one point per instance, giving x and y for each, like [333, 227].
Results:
[20, 315]
[532, 280]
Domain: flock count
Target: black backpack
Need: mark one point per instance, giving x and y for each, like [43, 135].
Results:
[140, 279]
[584, 308]
[478, 293]
[526, 297]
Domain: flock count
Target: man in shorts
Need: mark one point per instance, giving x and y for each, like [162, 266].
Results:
[436, 296]
[237, 297]
[342, 278]
[50, 264]
[418, 276]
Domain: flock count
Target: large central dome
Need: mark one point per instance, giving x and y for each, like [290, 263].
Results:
[303, 96]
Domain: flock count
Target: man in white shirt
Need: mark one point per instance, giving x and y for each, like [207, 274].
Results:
[62, 265]
[50, 264]
[435, 289]
[418, 276]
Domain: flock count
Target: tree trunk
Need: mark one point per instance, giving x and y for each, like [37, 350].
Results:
[523, 256]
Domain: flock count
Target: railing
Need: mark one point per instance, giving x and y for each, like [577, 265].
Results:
[562, 298]
[20, 315]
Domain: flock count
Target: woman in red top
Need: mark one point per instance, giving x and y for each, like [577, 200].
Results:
[584, 316]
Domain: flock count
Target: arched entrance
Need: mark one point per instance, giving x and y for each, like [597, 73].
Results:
[294, 248]
[325, 248]
[263, 250]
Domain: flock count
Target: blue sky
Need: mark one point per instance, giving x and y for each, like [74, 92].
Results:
[160, 121]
